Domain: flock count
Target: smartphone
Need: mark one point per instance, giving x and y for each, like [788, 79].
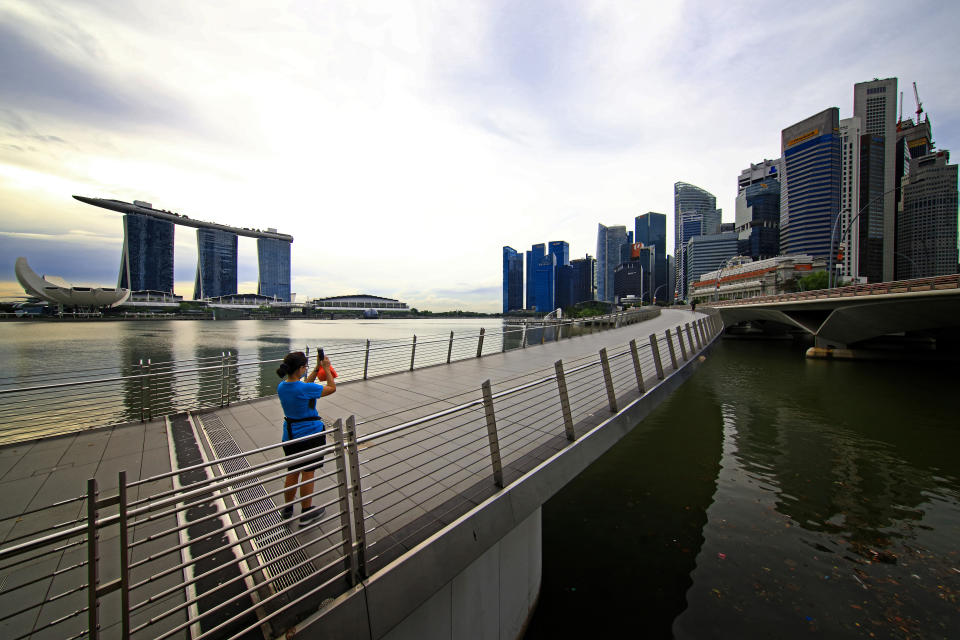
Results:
[319, 356]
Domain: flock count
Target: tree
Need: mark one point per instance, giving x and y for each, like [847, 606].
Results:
[815, 280]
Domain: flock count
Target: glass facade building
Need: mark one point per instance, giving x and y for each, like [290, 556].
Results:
[534, 256]
[584, 279]
[758, 219]
[146, 263]
[512, 280]
[871, 215]
[216, 264]
[651, 229]
[561, 249]
[273, 258]
[810, 184]
[545, 283]
[609, 241]
[709, 253]
[690, 203]
[927, 230]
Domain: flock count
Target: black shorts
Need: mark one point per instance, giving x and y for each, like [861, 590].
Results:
[305, 445]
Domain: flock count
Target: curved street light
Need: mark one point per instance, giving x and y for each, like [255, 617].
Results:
[833, 231]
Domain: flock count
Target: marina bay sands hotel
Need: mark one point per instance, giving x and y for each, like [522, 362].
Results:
[147, 260]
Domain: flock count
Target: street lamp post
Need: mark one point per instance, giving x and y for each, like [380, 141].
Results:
[846, 232]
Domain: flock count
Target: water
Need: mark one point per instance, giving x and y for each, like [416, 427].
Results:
[37, 354]
[770, 496]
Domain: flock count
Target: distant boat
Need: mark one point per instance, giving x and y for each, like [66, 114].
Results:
[370, 314]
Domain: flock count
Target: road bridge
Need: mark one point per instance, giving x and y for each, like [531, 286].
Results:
[845, 316]
[432, 484]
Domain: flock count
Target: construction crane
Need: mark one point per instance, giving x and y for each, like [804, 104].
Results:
[916, 96]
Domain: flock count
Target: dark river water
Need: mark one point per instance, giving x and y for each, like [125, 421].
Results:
[769, 497]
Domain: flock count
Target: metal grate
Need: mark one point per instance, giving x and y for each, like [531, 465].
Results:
[260, 515]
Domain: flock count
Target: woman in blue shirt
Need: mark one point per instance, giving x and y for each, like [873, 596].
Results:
[299, 402]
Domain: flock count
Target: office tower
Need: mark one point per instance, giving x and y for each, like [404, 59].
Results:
[536, 252]
[927, 229]
[651, 230]
[758, 172]
[565, 283]
[875, 103]
[758, 219]
[810, 184]
[708, 253]
[690, 203]
[584, 279]
[273, 260]
[913, 141]
[634, 276]
[545, 285]
[146, 263]
[560, 249]
[216, 264]
[871, 220]
[671, 280]
[609, 241]
[847, 233]
[512, 280]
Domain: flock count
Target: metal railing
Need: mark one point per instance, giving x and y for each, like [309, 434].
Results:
[149, 390]
[203, 550]
[879, 288]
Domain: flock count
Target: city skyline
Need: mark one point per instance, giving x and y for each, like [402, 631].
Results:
[403, 124]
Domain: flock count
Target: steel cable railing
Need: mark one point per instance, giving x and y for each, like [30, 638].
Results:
[383, 492]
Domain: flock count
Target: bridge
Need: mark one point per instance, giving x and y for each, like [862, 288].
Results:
[841, 317]
[433, 481]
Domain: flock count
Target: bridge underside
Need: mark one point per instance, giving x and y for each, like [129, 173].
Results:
[841, 323]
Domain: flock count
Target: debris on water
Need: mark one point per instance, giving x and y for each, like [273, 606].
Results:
[857, 578]
[722, 556]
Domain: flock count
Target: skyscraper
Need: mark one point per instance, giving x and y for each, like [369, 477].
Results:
[561, 249]
[758, 219]
[810, 184]
[913, 142]
[512, 280]
[694, 213]
[565, 284]
[927, 230]
[708, 253]
[545, 277]
[536, 252]
[651, 230]
[273, 260]
[216, 264]
[848, 257]
[872, 218]
[609, 241]
[146, 263]
[584, 279]
[875, 103]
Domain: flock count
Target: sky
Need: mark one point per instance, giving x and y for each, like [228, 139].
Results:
[403, 144]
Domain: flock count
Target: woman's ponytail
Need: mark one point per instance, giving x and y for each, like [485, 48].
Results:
[292, 362]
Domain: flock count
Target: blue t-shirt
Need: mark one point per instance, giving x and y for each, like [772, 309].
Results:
[299, 400]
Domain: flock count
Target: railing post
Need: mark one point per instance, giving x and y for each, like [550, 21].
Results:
[222, 378]
[140, 371]
[413, 351]
[608, 380]
[356, 496]
[696, 334]
[673, 353]
[480, 342]
[683, 348]
[690, 340]
[366, 360]
[543, 333]
[124, 556]
[450, 348]
[492, 434]
[340, 456]
[636, 366]
[93, 558]
[655, 349]
[523, 341]
[228, 370]
[564, 401]
[149, 393]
